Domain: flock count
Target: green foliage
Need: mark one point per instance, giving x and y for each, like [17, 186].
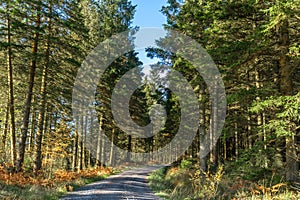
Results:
[186, 164]
[159, 184]
[286, 114]
[279, 11]
[185, 183]
[177, 184]
[256, 164]
[206, 184]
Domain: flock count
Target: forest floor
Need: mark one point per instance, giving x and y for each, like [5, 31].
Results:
[184, 182]
[27, 186]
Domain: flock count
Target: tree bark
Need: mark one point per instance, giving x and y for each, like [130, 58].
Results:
[111, 154]
[32, 133]
[43, 94]
[236, 138]
[75, 155]
[202, 132]
[25, 123]
[286, 88]
[103, 152]
[81, 138]
[39, 135]
[129, 147]
[5, 131]
[11, 88]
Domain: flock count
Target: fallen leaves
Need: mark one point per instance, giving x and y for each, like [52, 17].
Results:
[61, 176]
[260, 189]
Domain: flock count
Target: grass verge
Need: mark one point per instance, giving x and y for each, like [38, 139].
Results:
[186, 183]
[159, 185]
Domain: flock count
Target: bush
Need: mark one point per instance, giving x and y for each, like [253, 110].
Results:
[186, 164]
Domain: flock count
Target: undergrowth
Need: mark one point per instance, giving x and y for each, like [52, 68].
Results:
[187, 182]
[26, 186]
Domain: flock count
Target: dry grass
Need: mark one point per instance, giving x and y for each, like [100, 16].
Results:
[26, 185]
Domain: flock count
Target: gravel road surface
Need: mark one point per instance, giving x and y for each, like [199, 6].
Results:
[129, 185]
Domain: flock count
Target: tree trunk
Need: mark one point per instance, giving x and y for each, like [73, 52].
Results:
[75, 155]
[129, 148]
[98, 151]
[111, 154]
[202, 132]
[25, 123]
[43, 94]
[236, 136]
[103, 152]
[32, 133]
[11, 89]
[5, 131]
[81, 138]
[249, 128]
[81, 158]
[47, 129]
[213, 133]
[286, 88]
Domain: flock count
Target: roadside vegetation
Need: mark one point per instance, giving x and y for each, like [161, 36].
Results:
[230, 181]
[26, 185]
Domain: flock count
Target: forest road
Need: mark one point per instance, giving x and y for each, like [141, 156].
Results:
[130, 185]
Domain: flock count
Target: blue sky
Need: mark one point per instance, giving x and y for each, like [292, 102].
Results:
[148, 15]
